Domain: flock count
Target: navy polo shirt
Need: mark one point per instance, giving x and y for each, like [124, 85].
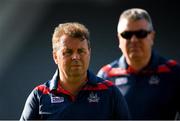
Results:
[152, 93]
[98, 99]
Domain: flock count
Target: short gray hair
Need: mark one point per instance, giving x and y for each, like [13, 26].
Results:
[136, 14]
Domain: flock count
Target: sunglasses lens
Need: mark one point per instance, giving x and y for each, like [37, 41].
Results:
[127, 35]
[141, 34]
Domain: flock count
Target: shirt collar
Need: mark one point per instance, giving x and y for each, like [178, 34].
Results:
[122, 62]
[53, 83]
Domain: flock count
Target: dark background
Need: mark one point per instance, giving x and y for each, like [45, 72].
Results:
[26, 28]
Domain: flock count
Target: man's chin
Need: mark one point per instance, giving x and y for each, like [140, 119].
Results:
[76, 73]
[135, 57]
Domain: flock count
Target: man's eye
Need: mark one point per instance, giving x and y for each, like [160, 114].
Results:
[81, 51]
[68, 52]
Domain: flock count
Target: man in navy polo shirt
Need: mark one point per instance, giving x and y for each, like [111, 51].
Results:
[74, 92]
[149, 82]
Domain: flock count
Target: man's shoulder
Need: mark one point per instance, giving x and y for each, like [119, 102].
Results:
[116, 67]
[167, 65]
[99, 83]
[43, 88]
[106, 84]
[109, 66]
[171, 63]
[104, 81]
[94, 79]
[103, 85]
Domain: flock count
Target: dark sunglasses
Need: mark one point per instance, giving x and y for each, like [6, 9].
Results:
[139, 34]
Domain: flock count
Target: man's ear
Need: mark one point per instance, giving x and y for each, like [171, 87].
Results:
[153, 36]
[55, 56]
[118, 38]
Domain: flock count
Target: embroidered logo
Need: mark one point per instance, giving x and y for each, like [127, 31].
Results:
[93, 98]
[56, 99]
[154, 80]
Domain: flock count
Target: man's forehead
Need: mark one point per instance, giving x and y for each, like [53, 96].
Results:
[126, 24]
[66, 38]
[65, 46]
[122, 25]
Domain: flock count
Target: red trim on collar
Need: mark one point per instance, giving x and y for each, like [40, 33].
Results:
[60, 89]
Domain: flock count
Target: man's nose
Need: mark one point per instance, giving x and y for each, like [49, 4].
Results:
[75, 56]
[134, 38]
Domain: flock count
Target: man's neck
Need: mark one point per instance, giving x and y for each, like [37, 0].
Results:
[138, 65]
[73, 85]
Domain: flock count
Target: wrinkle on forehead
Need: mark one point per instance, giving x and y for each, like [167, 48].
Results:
[71, 42]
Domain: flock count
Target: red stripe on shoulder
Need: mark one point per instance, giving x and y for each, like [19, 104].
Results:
[100, 86]
[172, 63]
[43, 89]
[163, 68]
[117, 72]
[166, 67]
[109, 83]
[106, 68]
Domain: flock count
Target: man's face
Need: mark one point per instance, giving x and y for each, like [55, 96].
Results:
[135, 39]
[72, 56]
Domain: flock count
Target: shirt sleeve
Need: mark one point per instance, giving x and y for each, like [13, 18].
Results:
[31, 108]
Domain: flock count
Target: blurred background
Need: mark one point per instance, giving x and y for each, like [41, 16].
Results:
[26, 28]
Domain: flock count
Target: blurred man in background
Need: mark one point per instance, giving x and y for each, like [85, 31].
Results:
[149, 82]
